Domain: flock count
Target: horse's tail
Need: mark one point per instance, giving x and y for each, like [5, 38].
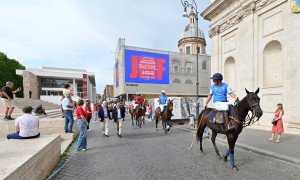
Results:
[201, 116]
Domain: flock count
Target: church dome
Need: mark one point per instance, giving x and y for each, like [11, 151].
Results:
[191, 31]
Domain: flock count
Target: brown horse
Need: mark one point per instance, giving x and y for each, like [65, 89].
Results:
[166, 116]
[239, 119]
[132, 114]
[139, 113]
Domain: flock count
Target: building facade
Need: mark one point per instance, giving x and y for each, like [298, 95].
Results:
[108, 93]
[254, 45]
[47, 83]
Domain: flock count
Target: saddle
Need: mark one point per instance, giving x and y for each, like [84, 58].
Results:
[217, 116]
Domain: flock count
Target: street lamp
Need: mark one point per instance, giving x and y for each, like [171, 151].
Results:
[193, 5]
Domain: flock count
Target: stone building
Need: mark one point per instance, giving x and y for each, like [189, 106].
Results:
[47, 83]
[108, 93]
[255, 44]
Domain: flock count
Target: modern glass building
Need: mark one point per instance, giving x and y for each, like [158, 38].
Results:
[47, 83]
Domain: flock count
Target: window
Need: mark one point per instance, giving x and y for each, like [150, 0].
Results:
[188, 50]
[189, 67]
[176, 81]
[203, 64]
[188, 81]
[55, 83]
[176, 68]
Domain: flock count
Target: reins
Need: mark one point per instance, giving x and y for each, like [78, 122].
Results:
[250, 119]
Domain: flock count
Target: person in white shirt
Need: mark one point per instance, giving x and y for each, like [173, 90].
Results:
[68, 113]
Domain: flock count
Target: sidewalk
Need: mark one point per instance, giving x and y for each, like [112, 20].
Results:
[257, 141]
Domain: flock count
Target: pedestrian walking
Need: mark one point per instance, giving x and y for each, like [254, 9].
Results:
[30, 93]
[277, 123]
[96, 108]
[118, 117]
[68, 113]
[89, 113]
[82, 125]
[7, 97]
[104, 116]
[150, 112]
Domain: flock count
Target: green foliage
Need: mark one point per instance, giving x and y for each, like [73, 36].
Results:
[8, 73]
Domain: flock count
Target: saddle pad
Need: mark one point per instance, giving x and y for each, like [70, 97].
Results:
[212, 117]
[295, 5]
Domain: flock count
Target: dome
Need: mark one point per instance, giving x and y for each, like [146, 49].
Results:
[191, 31]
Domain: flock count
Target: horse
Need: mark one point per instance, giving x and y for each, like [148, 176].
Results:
[139, 114]
[166, 117]
[239, 119]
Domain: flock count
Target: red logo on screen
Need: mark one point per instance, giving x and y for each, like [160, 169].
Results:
[147, 68]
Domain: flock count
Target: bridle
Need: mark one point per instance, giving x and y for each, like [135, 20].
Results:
[250, 119]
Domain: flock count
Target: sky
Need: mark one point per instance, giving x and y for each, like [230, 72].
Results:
[84, 34]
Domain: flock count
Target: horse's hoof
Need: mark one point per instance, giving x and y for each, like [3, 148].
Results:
[202, 153]
[225, 159]
[218, 155]
[234, 168]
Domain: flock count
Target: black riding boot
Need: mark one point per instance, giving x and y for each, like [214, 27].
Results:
[227, 124]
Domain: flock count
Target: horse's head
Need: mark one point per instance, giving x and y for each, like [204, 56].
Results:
[253, 101]
[170, 105]
[146, 103]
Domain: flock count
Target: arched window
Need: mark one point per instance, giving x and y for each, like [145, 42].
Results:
[229, 72]
[176, 81]
[188, 81]
[273, 63]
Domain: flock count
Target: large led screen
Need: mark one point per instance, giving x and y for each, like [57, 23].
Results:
[146, 67]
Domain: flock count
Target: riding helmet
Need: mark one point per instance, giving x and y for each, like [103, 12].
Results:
[217, 76]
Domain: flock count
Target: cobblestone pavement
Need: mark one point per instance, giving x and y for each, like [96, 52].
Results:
[144, 153]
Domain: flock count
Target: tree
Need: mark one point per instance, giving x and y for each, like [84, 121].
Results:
[8, 72]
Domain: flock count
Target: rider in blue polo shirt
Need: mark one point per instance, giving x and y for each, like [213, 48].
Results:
[162, 101]
[219, 91]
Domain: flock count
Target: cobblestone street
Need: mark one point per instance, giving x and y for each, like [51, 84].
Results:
[144, 153]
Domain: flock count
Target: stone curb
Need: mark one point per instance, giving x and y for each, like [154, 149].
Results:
[252, 149]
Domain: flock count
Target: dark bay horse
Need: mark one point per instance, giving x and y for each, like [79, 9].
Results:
[166, 117]
[139, 113]
[239, 120]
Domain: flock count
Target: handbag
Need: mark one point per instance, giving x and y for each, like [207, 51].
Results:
[275, 122]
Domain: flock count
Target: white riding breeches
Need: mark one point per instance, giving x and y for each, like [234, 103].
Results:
[221, 106]
[134, 106]
[161, 106]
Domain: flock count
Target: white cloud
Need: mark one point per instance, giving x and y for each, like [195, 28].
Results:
[83, 34]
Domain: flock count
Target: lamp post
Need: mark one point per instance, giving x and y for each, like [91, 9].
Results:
[193, 5]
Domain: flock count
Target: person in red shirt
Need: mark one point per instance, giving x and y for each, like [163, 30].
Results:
[82, 124]
[137, 100]
[150, 113]
[88, 112]
[96, 108]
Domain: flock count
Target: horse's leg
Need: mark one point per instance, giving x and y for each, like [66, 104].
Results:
[231, 141]
[213, 140]
[166, 126]
[156, 121]
[200, 135]
[132, 119]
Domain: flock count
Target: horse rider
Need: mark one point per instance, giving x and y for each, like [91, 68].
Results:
[219, 91]
[137, 100]
[162, 101]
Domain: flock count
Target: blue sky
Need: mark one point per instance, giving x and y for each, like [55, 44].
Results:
[84, 34]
